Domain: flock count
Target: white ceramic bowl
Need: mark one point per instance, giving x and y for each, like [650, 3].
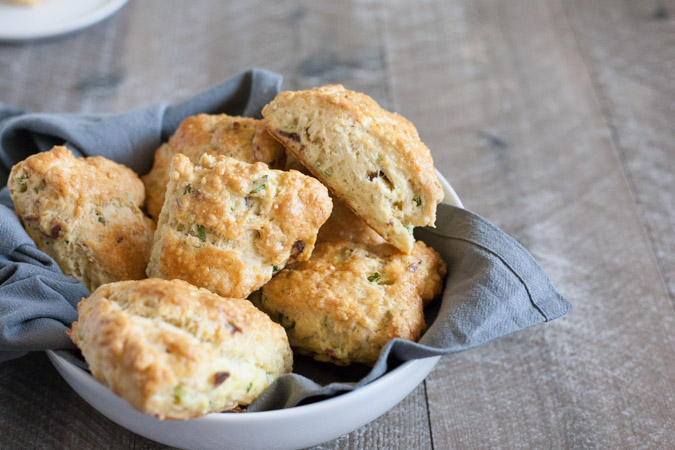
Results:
[52, 18]
[301, 426]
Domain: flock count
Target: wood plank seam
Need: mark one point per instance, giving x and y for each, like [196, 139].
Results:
[385, 58]
[600, 99]
[426, 401]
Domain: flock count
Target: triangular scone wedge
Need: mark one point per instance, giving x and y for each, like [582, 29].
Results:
[372, 159]
[85, 213]
[177, 352]
[350, 299]
[228, 226]
[243, 138]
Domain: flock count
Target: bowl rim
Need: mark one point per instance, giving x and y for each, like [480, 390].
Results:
[450, 196]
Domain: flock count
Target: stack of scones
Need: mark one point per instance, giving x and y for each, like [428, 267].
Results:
[295, 231]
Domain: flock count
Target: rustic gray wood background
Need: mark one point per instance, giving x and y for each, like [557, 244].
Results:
[555, 119]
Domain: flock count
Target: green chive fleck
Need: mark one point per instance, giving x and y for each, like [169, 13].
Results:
[275, 269]
[410, 230]
[66, 241]
[201, 232]
[417, 200]
[250, 385]
[22, 180]
[258, 189]
[328, 172]
[188, 189]
[178, 395]
[101, 219]
[317, 163]
[375, 277]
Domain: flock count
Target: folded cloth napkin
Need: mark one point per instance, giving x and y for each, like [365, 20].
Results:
[493, 288]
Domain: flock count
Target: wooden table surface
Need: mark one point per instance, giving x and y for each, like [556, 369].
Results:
[554, 119]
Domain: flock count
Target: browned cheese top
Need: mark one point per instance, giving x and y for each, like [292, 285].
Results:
[242, 138]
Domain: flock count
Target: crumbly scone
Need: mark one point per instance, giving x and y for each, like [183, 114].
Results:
[228, 226]
[85, 213]
[349, 300]
[242, 138]
[176, 351]
[372, 159]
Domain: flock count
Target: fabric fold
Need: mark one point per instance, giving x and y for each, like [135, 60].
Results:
[494, 287]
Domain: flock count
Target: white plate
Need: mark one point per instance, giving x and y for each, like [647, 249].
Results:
[301, 426]
[52, 17]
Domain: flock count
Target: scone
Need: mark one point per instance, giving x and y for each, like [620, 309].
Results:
[349, 300]
[372, 159]
[176, 351]
[239, 137]
[85, 213]
[228, 226]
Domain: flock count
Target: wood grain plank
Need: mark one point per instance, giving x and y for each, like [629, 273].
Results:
[78, 72]
[501, 94]
[402, 427]
[170, 50]
[40, 411]
[310, 43]
[630, 50]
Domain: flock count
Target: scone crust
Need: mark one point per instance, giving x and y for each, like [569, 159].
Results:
[349, 300]
[228, 226]
[176, 351]
[242, 138]
[372, 159]
[85, 213]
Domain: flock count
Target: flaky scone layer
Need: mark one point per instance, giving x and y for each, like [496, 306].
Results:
[176, 351]
[228, 226]
[85, 213]
[349, 300]
[372, 159]
[242, 138]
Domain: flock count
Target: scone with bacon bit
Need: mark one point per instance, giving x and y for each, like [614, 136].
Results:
[85, 213]
[228, 226]
[242, 138]
[370, 158]
[175, 351]
[349, 300]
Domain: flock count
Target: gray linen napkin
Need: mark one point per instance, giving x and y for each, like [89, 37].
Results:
[493, 288]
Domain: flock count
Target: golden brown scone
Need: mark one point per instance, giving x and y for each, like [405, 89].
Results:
[239, 137]
[228, 226]
[372, 159]
[85, 213]
[176, 351]
[349, 300]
